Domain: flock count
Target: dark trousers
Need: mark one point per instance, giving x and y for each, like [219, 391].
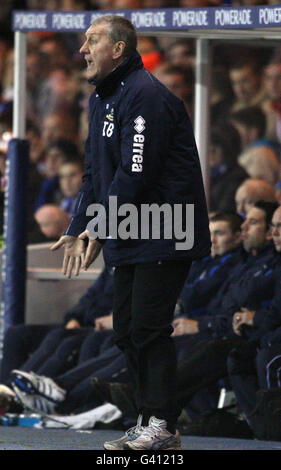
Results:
[20, 342]
[258, 370]
[45, 349]
[145, 296]
[206, 364]
[110, 365]
[268, 363]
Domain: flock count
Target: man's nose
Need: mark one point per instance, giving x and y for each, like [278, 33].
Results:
[84, 48]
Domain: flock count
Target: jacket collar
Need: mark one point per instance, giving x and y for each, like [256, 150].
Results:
[266, 249]
[107, 86]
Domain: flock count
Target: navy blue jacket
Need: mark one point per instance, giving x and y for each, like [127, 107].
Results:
[250, 284]
[141, 148]
[204, 280]
[96, 302]
[267, 321]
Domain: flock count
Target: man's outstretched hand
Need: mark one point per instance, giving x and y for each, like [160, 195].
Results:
[76, 255]
[93, 249]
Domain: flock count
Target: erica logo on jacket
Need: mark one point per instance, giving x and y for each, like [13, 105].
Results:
[138, 144]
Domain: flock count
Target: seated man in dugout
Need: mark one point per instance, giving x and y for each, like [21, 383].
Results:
[250, 285]
[207, 275]
[252, 288]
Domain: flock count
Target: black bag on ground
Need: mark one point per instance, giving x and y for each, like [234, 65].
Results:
[218, 423]
[266, 417]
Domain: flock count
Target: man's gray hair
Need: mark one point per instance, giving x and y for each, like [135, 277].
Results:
[121, 29]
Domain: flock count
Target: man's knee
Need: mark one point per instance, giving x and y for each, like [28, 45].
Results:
[54, 337]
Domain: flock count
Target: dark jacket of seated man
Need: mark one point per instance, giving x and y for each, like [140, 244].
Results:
[250, 284]
[207, 275]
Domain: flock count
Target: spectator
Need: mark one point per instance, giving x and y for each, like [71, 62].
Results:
[179, 81]
[34, 182]
[261, 162]
[251, 124]
[36, 148]
[127, 4]
[272, 105]
[221, 95]
[59, 125]
[251, 191]
[52, 221]
[70, 180]
[56, 50]
[245, 79]
[149, 51]
[225, 173]
[59, 92]
[181, 53]
[37, 70]
[5, 46]
[57, 152]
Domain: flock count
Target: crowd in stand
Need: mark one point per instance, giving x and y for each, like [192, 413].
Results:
[245, 111]
[227, 319]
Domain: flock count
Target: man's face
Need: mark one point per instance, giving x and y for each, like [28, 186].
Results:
[247, 134]
[52, 128]
[245, 83]
[181, 55]
[56, 126]
[254, 230]
[49, 225]
[222, 238]
[215, 155]
[276, 229]
[98, 52]
[54, 160]
[70, 177]
[272, 81]
[176, 84]
[243, 200]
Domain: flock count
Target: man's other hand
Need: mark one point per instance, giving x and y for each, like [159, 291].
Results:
[185, 326]
[74, 254]
[104, 323]
[93, 250]
[72, 324]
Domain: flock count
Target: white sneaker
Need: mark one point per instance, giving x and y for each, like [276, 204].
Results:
[130, 435]
[155, 437]
[33, 384]
[35, 403]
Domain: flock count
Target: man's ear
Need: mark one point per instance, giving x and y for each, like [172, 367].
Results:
[118, 50]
